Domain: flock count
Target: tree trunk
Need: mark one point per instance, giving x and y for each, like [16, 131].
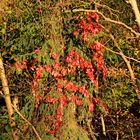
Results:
[71, 130]
[136, 11]
[7, 96]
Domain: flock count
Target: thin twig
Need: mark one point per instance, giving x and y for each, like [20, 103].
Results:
[130, 58]
[103, 125]
[80, 10]
[117, 135]
[105, 6]
[131, 75]
[133, 79]
[118, 22]
[26, 121]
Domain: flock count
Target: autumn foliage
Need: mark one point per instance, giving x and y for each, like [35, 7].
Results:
[74, 86]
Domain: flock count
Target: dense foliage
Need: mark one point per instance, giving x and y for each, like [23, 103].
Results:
[65, 71]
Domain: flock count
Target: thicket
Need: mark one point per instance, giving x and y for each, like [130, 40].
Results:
[72, 69]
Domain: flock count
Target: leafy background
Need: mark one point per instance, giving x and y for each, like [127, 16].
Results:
[28, 25]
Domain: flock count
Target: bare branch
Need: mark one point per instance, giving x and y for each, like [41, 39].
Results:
[133, 79]
[103, 125]
[107, 7]
[26, 121]
[136, 11]
[118, 22]
[106, 18]
[130, 58]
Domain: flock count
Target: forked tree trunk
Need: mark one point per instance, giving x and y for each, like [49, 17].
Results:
[136, 11]
[7, 96]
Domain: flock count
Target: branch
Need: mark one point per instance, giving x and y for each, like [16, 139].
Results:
[103, 125]
[131, 74]
[133, 79]
[130, 58]
[118, 22]
[107, 7]
[26, 121]
[106, 18]
[136, 11]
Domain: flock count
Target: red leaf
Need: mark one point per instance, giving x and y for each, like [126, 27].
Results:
[82, 24]
[50, 100]
[56, 66]
[17, 65]
[75, 32]
[59, 87]
[55, 73]
[72, 98]
[91, 107]
[64, 71]
[37, 51]
[82, 89]
[103, 105]
[63, 100]
[48, 68]
[79, 102]
[38, 10]
[95, 100]
[52, 132]
[39, 72]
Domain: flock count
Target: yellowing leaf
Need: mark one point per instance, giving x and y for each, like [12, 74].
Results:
[3, 31]
[9, 12]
